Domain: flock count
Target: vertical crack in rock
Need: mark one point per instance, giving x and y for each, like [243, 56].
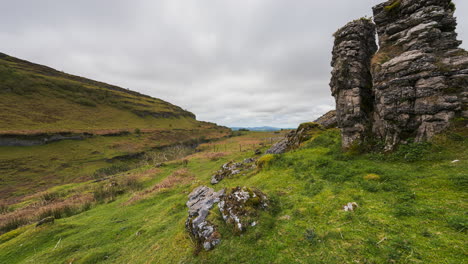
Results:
[351, 82]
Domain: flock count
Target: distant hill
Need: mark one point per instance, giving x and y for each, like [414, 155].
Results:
[36, 98]
[263, 128]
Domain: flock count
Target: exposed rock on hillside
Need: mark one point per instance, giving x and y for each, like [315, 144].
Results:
[294, 138]
[328, 120]
[240, 207]
[351, 82]
[232, 168]
[419, 75]
[201, 200]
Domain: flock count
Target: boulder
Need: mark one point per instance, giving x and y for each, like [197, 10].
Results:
[232, 168]
[200, 202]
[240, 207]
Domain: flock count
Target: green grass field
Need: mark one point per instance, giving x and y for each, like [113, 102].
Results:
[412, 209]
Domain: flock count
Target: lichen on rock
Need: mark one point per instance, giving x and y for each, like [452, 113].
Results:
[412, 87]
[240, 207]
[200, 202]
[423, 85]
[232, 168]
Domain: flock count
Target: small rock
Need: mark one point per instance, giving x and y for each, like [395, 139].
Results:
[159, 165]
[49, 219]
[285, 217]
[248, 160]
[350, 206]
[455, 161]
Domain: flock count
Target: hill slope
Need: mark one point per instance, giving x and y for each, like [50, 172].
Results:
[39, 98]
[98, 126]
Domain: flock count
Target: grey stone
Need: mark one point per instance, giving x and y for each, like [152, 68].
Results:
[328, 120]
[200, 202]
[419, 79]
[294, 138]
[240, 207]
[351, 80]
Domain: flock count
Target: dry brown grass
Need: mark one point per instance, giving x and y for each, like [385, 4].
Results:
[180, 176]
[54, 204]
[40, 210]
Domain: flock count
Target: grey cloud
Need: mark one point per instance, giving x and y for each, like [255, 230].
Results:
[237, 63]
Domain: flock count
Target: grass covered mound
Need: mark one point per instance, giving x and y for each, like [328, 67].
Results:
[411, 208]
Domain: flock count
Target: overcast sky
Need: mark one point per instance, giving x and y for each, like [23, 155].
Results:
[233, 62]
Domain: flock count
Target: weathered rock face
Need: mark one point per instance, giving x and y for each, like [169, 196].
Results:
[351, 82]
[420, 76]
[240, 207]
[294, 138]
[328, 120]
[201, 200]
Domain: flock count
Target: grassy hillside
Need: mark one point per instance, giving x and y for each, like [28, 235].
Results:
[36, 98]
[118, 125]
[412, 209]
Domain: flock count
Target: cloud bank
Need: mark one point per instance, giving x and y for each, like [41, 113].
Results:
[236, 63]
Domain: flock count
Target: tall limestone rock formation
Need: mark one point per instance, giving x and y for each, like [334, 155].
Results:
[419, 75]
[351, 81]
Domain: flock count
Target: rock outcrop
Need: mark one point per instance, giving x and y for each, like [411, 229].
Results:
[419, 78]
[293, 139]
[240, 207]
[351, 82]
[232, 168]
[201, 200]
[420, 74]
[328, 120]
